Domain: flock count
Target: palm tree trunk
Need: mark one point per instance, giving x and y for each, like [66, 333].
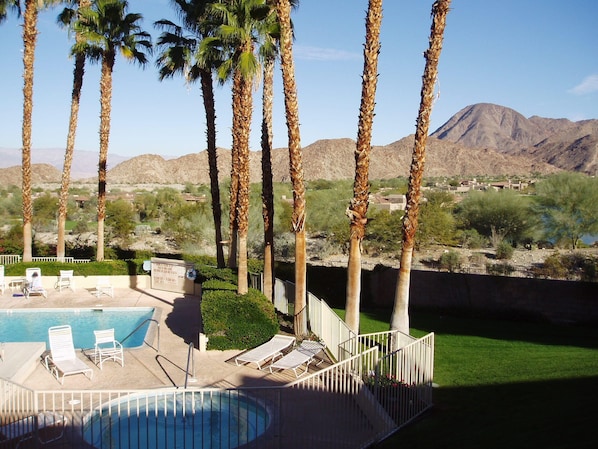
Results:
[106, 105]
[78, 73]
[267, 184]
[283, 10]
[207, 90]
[400, 315]
[29, 43]
[68, 155]
[234, 175]
[245, 111]
[361, 190]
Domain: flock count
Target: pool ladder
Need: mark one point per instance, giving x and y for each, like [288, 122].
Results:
[139, 327]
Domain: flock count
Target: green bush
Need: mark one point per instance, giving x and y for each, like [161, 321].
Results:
[499, 269]
[105, 268]
[504, 251]
[234, 321]
[218, 284]
[450, 260]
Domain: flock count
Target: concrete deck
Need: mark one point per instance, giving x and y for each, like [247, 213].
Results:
[180, 324]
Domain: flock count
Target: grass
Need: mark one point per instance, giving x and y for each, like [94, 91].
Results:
[503, 384]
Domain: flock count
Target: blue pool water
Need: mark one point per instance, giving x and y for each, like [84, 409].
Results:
[23, 325]
[180, 419]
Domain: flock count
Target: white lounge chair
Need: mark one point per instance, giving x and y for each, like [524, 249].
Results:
[65, 280]
[62, 360]
[2, 281]
[107, 348]
[103, 287]
[303, 355]
[270, 350]
[33, 284]
[46, 426]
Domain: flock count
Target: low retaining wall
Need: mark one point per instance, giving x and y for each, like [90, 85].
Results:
[48, 282]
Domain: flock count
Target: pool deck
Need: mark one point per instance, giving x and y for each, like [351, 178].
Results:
[145, 367]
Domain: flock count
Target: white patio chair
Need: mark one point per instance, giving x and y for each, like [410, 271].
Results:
[2, 281]
[270, 350]
[107, 348]
[62, 360]
[303, 355]
[33, 284]
[104, 287]
[66, 280]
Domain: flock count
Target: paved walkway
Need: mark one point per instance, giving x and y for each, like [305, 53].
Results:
[147, 367]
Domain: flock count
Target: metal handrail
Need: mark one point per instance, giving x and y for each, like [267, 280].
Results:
[190, 357]
[139, 327]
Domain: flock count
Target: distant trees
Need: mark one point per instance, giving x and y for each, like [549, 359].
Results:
[497, 215]
[567, 204]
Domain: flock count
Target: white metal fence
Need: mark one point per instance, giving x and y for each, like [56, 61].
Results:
[346, 405]
[6, 259]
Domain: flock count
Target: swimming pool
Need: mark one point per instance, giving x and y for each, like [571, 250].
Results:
[26, 325]
[212, 419]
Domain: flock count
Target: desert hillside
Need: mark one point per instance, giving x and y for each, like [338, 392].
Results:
[481, 139]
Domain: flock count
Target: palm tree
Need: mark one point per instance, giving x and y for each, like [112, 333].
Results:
[242, 22]
[283, 10]
[400, 314]
[107, 28]
[359, 204]
[181, 55]
[29, 43]
[66, 18]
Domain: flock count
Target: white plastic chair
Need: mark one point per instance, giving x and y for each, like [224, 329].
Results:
[270, 350]
[2, 281]
[66, 280]
[62, 360]
[103, 287]
[33, 283]
[107, 348]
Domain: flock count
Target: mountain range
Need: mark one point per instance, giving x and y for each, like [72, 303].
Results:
[481, 139]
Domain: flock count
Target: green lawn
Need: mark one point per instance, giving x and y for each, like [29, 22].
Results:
[504, 384]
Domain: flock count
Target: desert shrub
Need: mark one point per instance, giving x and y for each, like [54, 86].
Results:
[504, 251]
[234, 321]
[450, 261]
[499, 269]
[470, 238]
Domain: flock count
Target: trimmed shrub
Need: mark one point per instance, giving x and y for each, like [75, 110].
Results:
[218, 284]
[234, 321]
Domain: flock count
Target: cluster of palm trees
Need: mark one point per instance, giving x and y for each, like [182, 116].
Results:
[235, 41]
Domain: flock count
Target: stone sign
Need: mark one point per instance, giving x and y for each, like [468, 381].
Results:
[171, 275]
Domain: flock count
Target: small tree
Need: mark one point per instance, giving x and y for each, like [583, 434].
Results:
[566, 203]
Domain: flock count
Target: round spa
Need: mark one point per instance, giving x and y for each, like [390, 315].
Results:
[180, 419]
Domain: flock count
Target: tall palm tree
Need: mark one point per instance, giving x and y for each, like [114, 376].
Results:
[29, 43]
[66, 18]
[283, 10]
[241, 30]
[361, 189]
[181, 55]
[400, 314]
[107, 28]
[269, 53]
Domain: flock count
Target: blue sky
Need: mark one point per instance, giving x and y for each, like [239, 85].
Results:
[539, 58]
